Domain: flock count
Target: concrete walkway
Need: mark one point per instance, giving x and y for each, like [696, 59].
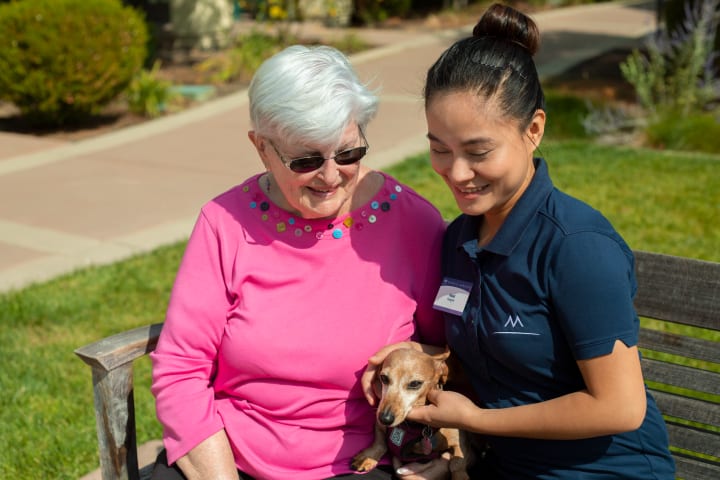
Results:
[65, 206]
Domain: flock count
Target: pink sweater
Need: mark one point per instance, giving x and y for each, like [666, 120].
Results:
[272, 319]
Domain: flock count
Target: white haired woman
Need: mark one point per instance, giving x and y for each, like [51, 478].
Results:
[290, 281]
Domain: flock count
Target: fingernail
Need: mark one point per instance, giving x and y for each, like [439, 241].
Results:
[402, 471]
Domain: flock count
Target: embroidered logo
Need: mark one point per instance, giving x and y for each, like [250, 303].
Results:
[514, 326]
[514, 322]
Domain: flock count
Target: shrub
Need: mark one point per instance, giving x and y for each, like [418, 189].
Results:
[697, 132]
[243, 59]
[373, 11]
[148, 95]
[62, 60]
[678, 72]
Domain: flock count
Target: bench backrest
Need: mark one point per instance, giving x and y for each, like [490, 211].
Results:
[681, 355]
[682, 368]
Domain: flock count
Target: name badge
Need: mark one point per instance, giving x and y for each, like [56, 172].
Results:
[452, 296]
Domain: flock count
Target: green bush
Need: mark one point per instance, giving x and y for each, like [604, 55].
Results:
[372, 11]
[697, 132]
[62, 60]
[148, 95]
[676, 73]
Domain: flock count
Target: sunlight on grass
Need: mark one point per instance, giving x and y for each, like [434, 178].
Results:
[666, 202]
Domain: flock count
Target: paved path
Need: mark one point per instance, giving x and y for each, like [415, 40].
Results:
[66, 205]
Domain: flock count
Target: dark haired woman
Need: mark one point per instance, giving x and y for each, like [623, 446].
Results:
[542, 315]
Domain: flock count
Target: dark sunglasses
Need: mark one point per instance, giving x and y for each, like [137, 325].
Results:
[314, 162]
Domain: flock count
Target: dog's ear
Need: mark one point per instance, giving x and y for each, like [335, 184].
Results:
[442, 369]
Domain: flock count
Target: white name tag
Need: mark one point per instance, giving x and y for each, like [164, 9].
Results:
[452, 296]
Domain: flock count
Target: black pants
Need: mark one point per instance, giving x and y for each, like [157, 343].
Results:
[164, 472]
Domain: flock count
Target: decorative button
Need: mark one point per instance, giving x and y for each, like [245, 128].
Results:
[330, 226]
[253, 204]
[337, 233]
[307, 228]
[246, 189]
[393, 196]
[385, 206]
[281, 227]
[264, 206]
[348, 222]
[291, 221]
[398, 188]
[298, 232]
[363, 214]
[264, 217]
[374, 205]
[319, 235]
[372, 219]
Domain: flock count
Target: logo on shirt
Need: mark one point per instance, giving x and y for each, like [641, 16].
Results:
[514, 326]
[514, 322]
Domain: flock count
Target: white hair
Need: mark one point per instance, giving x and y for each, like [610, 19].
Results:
[308, 95]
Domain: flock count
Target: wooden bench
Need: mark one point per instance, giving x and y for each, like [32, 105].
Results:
[683, 371]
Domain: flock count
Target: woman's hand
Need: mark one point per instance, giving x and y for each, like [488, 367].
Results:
[445, 409]
[438, 469]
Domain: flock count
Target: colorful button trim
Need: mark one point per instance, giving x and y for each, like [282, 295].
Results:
[285, 224]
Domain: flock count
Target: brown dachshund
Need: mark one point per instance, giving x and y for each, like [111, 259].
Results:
[407, 375]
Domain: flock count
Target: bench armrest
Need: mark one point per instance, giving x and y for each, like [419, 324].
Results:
[111, 360]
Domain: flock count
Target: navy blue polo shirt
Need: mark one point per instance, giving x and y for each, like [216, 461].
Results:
[555, 285]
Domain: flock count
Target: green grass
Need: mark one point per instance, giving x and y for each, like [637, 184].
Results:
[660, 201]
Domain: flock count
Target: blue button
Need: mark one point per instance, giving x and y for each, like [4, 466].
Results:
[337, 233]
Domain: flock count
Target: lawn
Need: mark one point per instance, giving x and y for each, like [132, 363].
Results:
[660, 201]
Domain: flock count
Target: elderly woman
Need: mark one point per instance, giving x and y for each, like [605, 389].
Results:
[290, 281]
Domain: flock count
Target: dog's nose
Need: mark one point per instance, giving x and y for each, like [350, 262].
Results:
[387, 417]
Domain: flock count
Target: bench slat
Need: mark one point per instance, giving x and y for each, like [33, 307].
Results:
[699, 441]
[681, 376]
[676, 289]
[691, 409]
[693, 469]
[684, 346]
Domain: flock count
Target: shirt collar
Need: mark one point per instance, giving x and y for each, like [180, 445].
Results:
[516, 222]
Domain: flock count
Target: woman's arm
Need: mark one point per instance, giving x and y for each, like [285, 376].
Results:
[613, 402]
[211, 459]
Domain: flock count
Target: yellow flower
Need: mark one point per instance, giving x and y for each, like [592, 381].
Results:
[276, 12]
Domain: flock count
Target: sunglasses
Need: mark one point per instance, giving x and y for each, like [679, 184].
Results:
[314, 162]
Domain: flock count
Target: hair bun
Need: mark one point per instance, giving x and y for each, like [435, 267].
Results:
[506, 23]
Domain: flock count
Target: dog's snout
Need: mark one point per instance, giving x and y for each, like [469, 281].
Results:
[387, 417]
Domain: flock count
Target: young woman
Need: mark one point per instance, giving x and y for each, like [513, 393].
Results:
[538, 286]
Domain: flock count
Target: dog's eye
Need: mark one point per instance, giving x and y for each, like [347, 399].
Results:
[384, 379]
[415, 385]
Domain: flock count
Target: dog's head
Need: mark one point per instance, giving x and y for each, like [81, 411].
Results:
[407, 376]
